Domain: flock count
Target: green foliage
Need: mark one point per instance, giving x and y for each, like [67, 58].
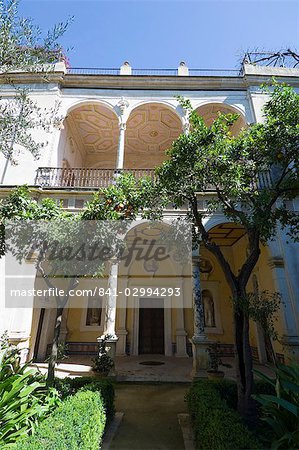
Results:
[227, 389]
[214, 357]
[20, 205]
[78, 423]
[103, 363]
[69, 386]
[263, 308]
[215, 425]
[122, 200]
[23, 44]
[209, 156]
[25, 399]
[19, 116]
[281, 411]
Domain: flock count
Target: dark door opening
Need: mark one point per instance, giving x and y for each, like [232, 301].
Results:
[151, 326]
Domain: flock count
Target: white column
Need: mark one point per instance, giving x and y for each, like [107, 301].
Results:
[121, 146]
[290, 337]
[21, 317]
[109, 327]
[180, 325]
[110, 315]
[122, 316]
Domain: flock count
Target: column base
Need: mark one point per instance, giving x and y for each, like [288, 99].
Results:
[291, 345]
[201, 357]
[121, 343]
[181, 344]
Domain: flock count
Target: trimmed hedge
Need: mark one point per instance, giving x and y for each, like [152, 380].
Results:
[69, 386]
[227, 390]
[216, 426]
[78, 423]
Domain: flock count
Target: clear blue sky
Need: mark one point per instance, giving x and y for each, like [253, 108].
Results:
[161, 33]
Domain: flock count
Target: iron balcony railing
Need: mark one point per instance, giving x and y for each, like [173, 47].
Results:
[80, 177]
[154, 72]
[90, 178]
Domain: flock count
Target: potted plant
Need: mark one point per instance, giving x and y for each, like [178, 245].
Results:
[215, 361]
[103, 363]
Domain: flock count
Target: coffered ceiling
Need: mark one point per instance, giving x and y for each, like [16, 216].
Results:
[95, 129]
[210, 112]
[227, 234]
[151, 129]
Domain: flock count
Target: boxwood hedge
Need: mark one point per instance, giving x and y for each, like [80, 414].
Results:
[216, 426]
[78, 423]
[69, 386]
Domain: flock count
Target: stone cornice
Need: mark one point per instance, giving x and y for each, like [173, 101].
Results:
[150, 82]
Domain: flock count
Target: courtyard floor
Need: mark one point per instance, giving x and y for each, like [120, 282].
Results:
[131, 368]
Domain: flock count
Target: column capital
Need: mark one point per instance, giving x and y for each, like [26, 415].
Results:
[186, 126]
[195, 260]
[122, 105]
[122, 126]
[276, 262]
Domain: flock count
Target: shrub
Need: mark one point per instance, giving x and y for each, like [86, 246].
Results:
[216, 426]
[78, 423]
[227, 390]
[281, 411]
[25, 399]
[103, 363]
[69, 386]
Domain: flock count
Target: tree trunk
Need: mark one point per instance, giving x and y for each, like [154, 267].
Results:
[54, 349]
[243, 358]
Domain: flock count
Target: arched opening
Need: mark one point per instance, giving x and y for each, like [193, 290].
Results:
[216, 293]
[210, 112]
[151, 129]
[89, 138]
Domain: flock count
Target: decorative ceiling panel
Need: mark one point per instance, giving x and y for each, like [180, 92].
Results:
[227, 234]
[151, 129]
[97, 130]
[210, 112]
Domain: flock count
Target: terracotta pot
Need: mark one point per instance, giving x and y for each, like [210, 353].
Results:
[215, 374]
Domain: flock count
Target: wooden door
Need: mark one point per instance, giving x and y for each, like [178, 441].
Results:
[151, 327]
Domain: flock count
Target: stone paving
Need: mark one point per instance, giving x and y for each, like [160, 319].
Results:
[128, 368]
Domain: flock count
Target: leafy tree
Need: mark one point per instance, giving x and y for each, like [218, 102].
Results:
[47, 222]
[209, 156]
[23, 47]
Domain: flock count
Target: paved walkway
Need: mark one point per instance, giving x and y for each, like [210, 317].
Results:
[150, 416]
[128, 368]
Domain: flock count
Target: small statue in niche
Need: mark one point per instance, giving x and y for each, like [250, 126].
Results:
[209, 310]
[205, 266]
[94, 312]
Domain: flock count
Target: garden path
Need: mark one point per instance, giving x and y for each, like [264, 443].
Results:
[150, 416]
